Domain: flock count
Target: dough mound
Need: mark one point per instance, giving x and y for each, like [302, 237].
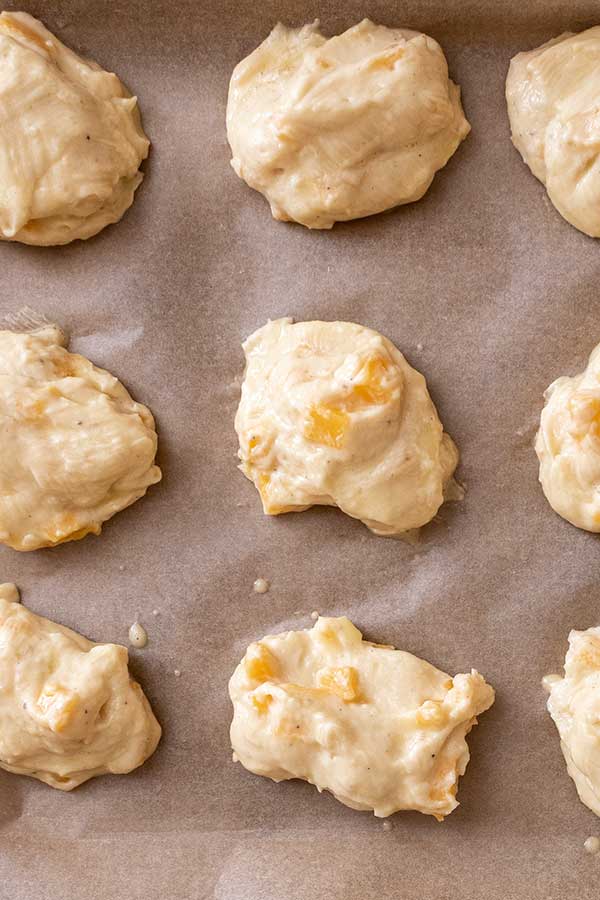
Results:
[332, 414]
[75, 447]
[574, 704]
[69, 708]
[338, 129]
[379, 728]
[552, 95]
[568, 446]
[71, 140]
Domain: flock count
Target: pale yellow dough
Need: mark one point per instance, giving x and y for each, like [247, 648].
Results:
[379, 728]
[69, 709]
[75, 447]
[552, 94]
[568, 446]
[332, 414]
[338, 129]
[71, 140]
[574, 704]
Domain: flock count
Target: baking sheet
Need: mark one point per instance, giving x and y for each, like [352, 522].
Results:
[502, 295]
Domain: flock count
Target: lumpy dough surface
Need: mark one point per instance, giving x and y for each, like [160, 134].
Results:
[552, 94]
[71, 140]
[341, 128]
[574, 704]
[69, 709]
[331, 413]
[568, 446]
[75, 447]
[380, 728]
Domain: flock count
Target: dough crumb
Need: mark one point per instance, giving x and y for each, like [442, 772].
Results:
[592, 845]
[138, 635]
[261, 586]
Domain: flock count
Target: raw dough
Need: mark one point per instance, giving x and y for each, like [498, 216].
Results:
[332, 414]
[379, 728]
[71, 140]
[574, 704]
[69, 709]
[552, 96]
[338, 129]
[75, 447]
[568, 446]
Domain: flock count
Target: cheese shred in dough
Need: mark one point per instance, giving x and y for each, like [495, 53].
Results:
[341, 128]
[552, 95]
[71, 139]
[76, 448]
[69, 710]
[378, 727]
[568, 446]
[332, 414]
[574, 704]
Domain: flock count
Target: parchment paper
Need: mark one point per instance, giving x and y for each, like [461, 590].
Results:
[502, 294]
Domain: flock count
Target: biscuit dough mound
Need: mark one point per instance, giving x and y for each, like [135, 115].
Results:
[568, 446]
[71, 139]
[338, 129]
[378, 727]
[69, 709]
[552, 95]
[332, 414]
[75, 447]
[574, 704]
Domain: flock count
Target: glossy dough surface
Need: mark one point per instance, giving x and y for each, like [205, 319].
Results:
[75, 447]
[338, 129]
[71, 140]
[568, 446]
[69, 709]
[331, 413]
[574, 704]
[379, 728]
[552, 94]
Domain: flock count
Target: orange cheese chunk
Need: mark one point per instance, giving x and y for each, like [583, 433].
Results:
[342, 681]
[260, 663]
[326, 425]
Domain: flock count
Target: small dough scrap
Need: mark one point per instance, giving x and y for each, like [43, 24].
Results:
[71, 139]
[332, 414]
[574, 704]
[568, 446]
[69, 709]
[330, 130]
[380, 728]
[75, 448]
[552, 95]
